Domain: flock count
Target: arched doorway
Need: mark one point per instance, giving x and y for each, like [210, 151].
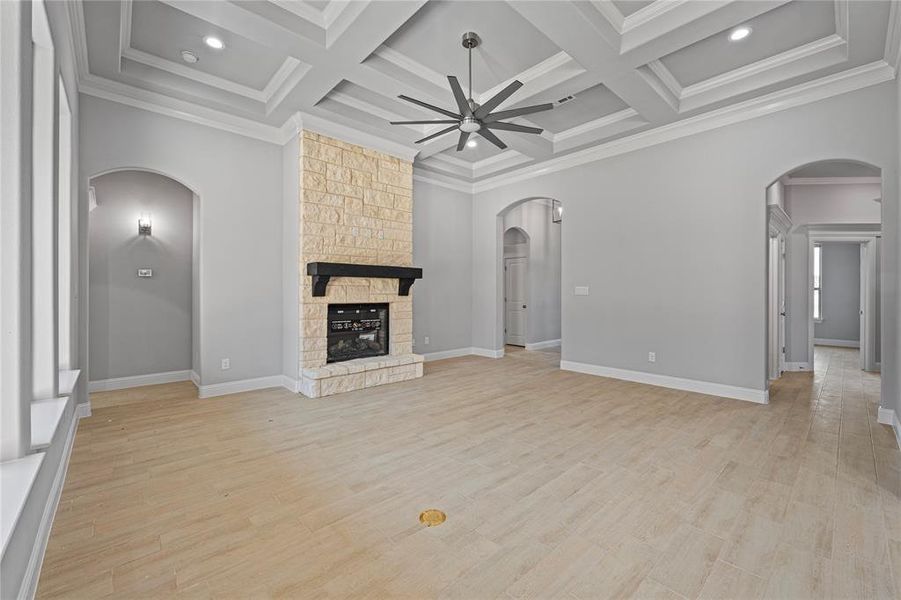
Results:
[144, 280]
[529, 271]
[824, 269]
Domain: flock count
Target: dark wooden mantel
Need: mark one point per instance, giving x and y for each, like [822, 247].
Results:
[321, 272]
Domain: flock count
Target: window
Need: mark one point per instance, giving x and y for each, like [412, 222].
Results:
[817, 282]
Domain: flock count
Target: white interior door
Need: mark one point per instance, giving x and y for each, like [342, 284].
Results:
[515, 286]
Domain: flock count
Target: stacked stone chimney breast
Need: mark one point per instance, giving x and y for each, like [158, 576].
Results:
[356, 206]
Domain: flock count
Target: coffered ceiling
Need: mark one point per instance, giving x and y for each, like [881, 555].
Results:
[615, 68]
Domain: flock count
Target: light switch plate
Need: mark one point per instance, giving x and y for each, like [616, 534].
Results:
[145, 272]
[581, 290]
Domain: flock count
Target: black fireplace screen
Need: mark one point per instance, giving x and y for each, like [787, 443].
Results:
[357, 331]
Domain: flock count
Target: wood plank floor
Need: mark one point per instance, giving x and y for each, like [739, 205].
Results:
[555, 485]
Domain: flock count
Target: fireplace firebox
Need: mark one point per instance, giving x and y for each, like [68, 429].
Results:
[357, 331]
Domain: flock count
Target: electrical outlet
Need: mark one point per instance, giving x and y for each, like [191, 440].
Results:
[652, 357]
[581, 290]
[426, 340]
[226, 364]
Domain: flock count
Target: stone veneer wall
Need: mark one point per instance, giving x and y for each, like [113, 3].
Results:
[356, 206]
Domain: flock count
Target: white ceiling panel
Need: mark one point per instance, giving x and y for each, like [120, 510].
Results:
[510, 44]
[587, 105]
[789, 26]
[164, 31]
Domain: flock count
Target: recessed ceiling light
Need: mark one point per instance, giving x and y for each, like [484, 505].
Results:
[739, 33]
[189, 57]
[471, 144]
[213, 42]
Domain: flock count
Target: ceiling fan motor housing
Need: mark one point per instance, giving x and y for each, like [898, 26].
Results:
[471, 40]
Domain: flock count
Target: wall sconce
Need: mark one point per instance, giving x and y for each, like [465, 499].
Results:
[144, 225]
[556, 211]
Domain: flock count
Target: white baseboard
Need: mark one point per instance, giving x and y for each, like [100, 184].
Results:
[241, 385]
[195, 379]
[83, 410]
[839, 343]
[33, 571]
[796, 366]
[456, 352]
[888, 416]
[292, 385]
[121, 383]
[487, 353]
[667, 381]
[544, 344]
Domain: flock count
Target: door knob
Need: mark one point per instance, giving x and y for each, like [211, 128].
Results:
[523, 305]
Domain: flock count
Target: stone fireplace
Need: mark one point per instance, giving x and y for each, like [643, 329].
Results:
[355, 208]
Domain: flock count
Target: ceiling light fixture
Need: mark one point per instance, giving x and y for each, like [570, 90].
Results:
[213, 42]
[471, 144]
[189, 57]
[739, 33]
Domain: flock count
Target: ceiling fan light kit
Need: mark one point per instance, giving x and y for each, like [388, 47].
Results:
[473, 118]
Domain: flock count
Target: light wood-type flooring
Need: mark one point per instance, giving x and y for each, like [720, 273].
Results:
[555, 485]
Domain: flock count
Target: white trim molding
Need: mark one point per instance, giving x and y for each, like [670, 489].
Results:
[195, 378]
[543, 344]
[677, 383]
[121, 383]
[488, 353]
[83, 410]
[796, 366]
[831, 180]
[33, 571]
[839, 343]
[888, 416]
[241, 385]
[443, 354]
[290, 384]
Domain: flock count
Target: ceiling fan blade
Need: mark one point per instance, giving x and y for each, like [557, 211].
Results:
[459, 96]
[517, 112]
[485, 133]
[424, 122]
[496, 100]
[436, 134]
[431, 107]
[512, 127]
[464, 135]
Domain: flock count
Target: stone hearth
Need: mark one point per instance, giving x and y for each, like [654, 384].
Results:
[356, 206]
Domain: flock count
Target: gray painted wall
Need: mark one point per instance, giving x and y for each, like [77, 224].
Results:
[841, 293]
[671, 240]
[291, 269]
[239, 182]
[138, 325]
[796, 297]
[442, 246]
[534, 217]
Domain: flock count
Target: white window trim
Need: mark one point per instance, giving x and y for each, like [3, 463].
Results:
[821, 318]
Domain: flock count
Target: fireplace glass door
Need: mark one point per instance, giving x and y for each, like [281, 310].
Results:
[357, 331]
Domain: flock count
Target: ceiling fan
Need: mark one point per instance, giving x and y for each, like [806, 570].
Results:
[472, 117]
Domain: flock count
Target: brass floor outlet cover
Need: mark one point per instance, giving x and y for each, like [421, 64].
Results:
[432, 517]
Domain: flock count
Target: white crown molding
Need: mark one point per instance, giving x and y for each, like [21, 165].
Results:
[114, 91]
[441, 181]
[667, 381]
[839, 83]
[831, 180]
[346, 134]
[596, 124]
[779, 221]
[125, 14]
[819, 54]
